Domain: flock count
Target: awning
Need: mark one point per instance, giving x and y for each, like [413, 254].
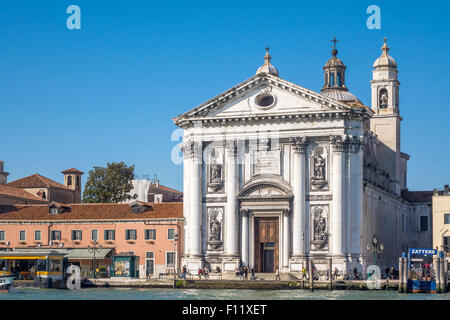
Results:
[71, 253]
[85, 254]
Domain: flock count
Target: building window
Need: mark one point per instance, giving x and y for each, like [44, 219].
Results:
[423, 223]
[22, 235]
[446, 244]
[54, 210]
[76, 234]
[78, 182]
[55, 235]
[150, 234]
[170, 258]
[69, 180]
[94, 236]
[37, 235]
[130, 234]
[110, 235]
[150, 255]
[447, 218]
[171, 234]
[2, 235]
[332, 83]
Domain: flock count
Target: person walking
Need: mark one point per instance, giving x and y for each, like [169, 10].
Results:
[241, 273]
[245, 273]
[277, 274]
[386, 272]
[183, 272]
[336, 273]
[392, 272]
[304, 273]
[252, 277]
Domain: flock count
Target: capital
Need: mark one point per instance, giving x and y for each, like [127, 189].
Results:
[245, 212]
[339, 143]
[299, 144]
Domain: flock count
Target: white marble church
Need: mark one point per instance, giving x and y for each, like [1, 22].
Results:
[276, 174]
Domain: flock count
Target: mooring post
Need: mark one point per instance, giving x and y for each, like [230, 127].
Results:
[437, 272]
[330, 273]
[405, 274]
[400, 274]
[311, 275]
[443, 286]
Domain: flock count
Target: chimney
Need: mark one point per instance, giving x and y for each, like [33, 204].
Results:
[3, 175]
[157, 183]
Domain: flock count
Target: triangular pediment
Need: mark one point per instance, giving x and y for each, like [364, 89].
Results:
[263, 94]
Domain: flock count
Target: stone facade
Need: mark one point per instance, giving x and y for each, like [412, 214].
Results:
[276, 174]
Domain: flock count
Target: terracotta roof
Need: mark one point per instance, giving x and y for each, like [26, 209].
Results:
[72, 170]
[164, 188]
[36, 181]
[9, 191]
[417, 196]
[94, 211]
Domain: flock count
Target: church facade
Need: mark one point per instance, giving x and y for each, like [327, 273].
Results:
[276, 174]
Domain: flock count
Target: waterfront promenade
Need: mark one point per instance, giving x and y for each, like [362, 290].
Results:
[259, 284]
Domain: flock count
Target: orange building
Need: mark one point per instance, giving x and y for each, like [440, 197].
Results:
[145, 230]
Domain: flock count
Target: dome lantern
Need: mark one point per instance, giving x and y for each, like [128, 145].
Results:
[267, 67]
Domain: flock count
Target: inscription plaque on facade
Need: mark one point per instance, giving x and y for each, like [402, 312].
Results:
[266, 162]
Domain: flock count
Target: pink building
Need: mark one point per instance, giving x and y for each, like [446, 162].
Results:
[145, 229]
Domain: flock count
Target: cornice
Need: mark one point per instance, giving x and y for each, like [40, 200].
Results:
[332, 107]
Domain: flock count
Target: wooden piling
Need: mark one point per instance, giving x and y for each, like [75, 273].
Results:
[311, 275]
[330, 274]
[400, 274]
[443, 286]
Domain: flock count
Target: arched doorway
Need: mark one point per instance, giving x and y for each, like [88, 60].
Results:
[265, 203]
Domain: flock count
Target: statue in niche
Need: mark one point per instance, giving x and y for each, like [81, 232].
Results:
[319, 167]
[215, 229]
[320, 229]
[384, 99]
[215, 173]
[318, 170]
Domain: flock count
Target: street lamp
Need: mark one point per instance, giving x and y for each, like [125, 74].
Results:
[94, 249]
[375, 247]
[175, 239]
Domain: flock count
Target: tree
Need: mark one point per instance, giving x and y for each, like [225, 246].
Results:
[109, 185]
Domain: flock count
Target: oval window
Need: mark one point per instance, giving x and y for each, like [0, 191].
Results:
[264, 100]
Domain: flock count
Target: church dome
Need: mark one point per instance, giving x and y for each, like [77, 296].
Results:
[267, 67]
[334, 86]
[341, 95]
[334, 61]
[385, 60]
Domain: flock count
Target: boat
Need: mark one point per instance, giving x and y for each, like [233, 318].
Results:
[6, 282]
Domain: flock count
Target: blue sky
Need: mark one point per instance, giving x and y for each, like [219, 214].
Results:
[108, 92]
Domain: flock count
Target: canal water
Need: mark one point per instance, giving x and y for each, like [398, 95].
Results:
[209, 294]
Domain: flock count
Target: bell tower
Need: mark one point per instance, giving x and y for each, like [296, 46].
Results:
[385, 123]
[385, 84]
[72, 180]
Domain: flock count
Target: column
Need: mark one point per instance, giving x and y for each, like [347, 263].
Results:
[245, 237]
[285, 217]
[298, 186]
[231, 223]
[186, 191]
[251, 227]
[356, 193]
[195, 212]
[338, 174]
